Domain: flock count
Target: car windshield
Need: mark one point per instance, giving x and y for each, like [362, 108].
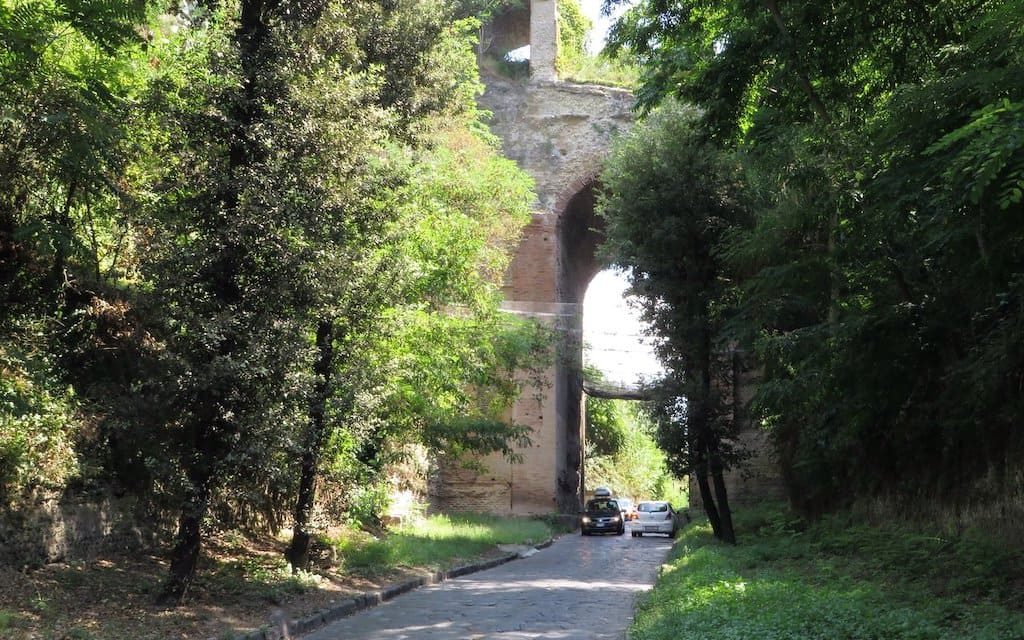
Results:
[653, 507]
[602, 504]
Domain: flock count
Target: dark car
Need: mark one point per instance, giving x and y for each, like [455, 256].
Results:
[602, 515]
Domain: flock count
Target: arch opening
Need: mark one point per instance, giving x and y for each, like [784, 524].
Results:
[580, 232]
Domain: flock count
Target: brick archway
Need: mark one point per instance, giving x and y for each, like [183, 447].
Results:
[559, 133]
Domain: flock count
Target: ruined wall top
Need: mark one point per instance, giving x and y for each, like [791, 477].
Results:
[559, 132]
[543, 39]
[536, 25]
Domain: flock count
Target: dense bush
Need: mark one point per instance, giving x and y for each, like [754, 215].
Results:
[39, 423]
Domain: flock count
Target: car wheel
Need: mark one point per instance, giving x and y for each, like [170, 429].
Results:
[633, 533]
[673, 534]
[584, 532]
[621, 531]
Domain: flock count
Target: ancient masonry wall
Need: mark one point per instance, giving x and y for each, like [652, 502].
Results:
[759, 478]
[559, 133]
[61, 528]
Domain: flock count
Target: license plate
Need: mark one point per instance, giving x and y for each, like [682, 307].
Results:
[650, 528]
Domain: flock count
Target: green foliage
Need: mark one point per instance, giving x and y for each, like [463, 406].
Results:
[37, 425]
[878, 285]
[606, 427]
[838, 578]
[606, 69]
[988, 154]
[7, 619]
[65, 69]
[636, 466]
[573, 26]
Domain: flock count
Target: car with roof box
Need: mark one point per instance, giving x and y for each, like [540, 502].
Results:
[602, 515]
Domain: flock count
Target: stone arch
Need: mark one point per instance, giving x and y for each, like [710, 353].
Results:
[580, 232]
[558, 133]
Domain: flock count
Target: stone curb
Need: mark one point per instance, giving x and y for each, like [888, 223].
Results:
[300, 626]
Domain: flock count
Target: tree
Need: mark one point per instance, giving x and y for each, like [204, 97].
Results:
[419, 323]
[669, 197]
[65, 77]
[247, 230]
[880, 264]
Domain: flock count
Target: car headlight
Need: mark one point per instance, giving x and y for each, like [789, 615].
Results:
[615, 518]
[586, 520]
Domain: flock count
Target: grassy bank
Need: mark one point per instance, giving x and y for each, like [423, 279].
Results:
[241, 581]
[433, 543]
[835, 579]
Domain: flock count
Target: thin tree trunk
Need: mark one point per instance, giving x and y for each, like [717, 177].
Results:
[62, 221]
[298, 550]
[707, 499]
[726, 532]
[186, 551]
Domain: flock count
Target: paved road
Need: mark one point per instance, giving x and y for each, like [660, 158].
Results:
[581, 587]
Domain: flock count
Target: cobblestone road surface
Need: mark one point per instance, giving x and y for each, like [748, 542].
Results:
[581, 587]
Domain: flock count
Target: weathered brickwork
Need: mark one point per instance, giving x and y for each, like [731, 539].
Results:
[758, 479]
[532, 277]
[560, 134]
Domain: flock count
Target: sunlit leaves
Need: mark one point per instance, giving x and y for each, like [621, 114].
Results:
[989, 154]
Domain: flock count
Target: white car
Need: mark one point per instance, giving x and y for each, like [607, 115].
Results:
[655, 517]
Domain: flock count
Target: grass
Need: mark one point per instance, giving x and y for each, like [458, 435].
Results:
[834, 579]
[7, 619]
[241, 581]
[606, 71]
[434, 542]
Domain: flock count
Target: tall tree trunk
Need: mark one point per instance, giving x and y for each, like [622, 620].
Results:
[298, 551]
[211, 443]
[708, 436]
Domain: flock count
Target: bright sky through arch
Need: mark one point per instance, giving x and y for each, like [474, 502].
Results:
[613, 333]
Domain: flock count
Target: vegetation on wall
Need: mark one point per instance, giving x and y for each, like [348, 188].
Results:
[621, 452]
